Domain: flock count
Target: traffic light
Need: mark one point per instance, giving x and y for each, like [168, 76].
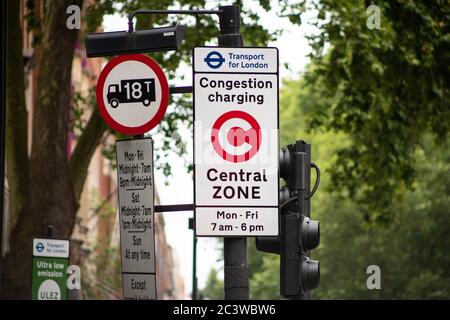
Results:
[298, 234]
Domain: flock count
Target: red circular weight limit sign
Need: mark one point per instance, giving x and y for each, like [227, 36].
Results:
[236, 136]
[132, 94]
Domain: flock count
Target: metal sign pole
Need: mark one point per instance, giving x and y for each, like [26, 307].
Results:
[236, 278]
[194, 267]
[2, 125]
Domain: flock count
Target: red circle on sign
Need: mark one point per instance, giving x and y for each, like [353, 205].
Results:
[152, 64]
[252, 136]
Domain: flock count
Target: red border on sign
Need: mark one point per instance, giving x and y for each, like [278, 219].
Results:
[164, 94]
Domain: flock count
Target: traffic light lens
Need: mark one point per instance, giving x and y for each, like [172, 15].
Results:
[285, 163]
[310, 233]
[310, 274]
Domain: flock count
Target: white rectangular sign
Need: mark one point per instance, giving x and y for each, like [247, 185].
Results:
[136, 208]
[239, 60]
[50, 248]
[139, 286]
[226, 221]
[235, 143]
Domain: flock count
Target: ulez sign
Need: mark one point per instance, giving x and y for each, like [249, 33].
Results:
[236, 141]
[49, 272]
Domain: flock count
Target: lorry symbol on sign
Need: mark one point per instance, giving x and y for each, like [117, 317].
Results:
[131, 90]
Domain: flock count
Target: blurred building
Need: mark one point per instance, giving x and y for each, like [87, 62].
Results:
[95, 240]
[170, 283]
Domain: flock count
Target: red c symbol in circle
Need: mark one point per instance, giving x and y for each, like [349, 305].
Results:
[236, 136]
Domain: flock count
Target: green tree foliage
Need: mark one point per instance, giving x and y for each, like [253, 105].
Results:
[411, 250]
[213, 288]
[387, 87]
[264, 272]
[374, 106]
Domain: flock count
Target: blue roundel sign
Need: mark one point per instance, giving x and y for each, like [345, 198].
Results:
[40, 247]
[214, 60]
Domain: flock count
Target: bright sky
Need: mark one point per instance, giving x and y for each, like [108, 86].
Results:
[293, 48]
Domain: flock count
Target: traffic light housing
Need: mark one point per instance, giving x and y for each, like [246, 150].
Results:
[298, 233]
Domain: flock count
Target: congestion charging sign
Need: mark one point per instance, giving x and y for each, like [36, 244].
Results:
[236, 141]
